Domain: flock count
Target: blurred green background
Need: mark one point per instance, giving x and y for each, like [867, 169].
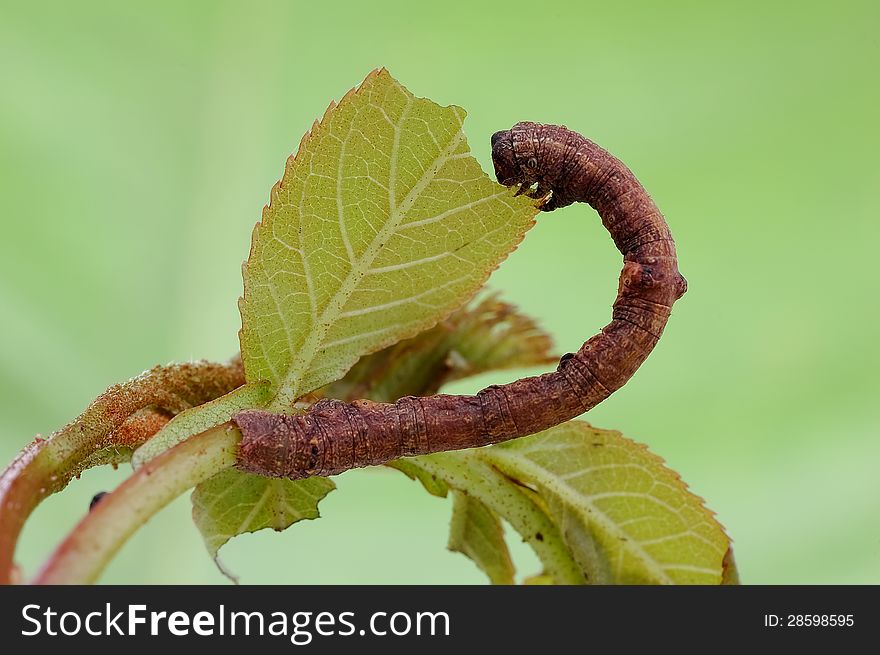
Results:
[138, 143]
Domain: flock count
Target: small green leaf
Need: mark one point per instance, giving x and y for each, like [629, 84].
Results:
[382, 225]
[522, 508]
[232, 503]
[476, 532]
[432, 484]
[201, 418]
[625, 516]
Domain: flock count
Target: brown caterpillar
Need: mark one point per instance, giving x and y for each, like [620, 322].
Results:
[560, 167]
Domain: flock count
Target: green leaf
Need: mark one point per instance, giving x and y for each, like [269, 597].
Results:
[201, 418]
[232, 503]
[382, 225]
[626, 517]
[476, 532]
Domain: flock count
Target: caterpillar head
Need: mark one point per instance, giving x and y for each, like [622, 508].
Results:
[507, 170]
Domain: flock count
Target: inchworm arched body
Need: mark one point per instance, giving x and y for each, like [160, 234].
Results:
[565, 167]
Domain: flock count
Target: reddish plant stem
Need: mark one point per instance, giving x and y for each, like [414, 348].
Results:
[89, 547]
[335, 436]
[117, 422]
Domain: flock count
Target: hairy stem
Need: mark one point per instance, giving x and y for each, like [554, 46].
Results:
[85, 552]
[336, 436]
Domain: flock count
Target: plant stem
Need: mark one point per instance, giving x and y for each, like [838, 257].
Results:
[118, 421]
[82, 556]
[46, 466]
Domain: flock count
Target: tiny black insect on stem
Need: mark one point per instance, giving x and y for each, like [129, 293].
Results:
[96, 499]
